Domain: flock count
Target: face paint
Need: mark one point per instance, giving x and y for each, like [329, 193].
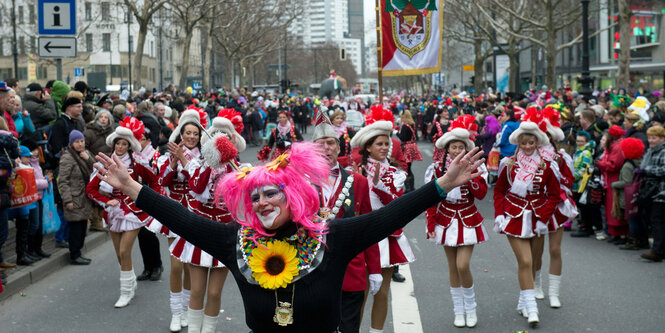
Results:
[269, 219]
[266, 202]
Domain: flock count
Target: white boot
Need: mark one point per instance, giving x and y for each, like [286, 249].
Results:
[195, 320]
[521, 305]
[127, 288]
[374, 330]
[555, 283]
[209, 324]
[176, 311]
[538, 286]
[458, 306]
[531, 307]
[470, 306]
[185, 305]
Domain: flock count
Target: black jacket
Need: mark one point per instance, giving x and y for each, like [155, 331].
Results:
[59, 138]
[42, 112]
[153, 124]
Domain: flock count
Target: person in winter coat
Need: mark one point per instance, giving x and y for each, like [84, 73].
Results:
[150, 120]
[9, 144]
[35, 236]
[610, 166]
[508, 125]
[38, 102]
[75, 169]
[635, 128]
[633, 149]
[582, 161]
[97, 131]
[653, 165]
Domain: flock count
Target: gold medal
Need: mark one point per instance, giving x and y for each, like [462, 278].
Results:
[283, 314]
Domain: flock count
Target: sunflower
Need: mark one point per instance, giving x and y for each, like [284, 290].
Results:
[275, 265]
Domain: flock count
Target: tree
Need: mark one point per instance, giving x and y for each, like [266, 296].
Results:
[624, 42]
[552, 17]
[251, 29]
[189, 13]
[143, 14]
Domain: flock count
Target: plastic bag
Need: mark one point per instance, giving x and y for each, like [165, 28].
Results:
[50, 219]
[493, 160]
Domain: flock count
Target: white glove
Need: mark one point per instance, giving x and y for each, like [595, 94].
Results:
[375, 281]
[497, 223]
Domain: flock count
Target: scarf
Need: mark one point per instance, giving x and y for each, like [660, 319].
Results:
[383, 165]
[547, 152]
[456, 193]
[85, 170]
[341, 129]
[125, 159]
[191, 153]
[527, 170]
[106, 187]
[284, 130]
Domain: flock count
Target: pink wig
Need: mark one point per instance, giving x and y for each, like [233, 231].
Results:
[306, 166]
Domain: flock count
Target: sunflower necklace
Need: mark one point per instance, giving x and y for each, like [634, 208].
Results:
[275, 263]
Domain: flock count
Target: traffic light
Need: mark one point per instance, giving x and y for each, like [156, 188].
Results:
[342, 54]
[473, 79]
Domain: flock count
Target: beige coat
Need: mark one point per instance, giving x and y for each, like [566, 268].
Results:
[72, 184]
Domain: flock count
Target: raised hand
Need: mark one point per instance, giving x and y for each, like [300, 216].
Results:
[377, 173]
[112, 170]
[462, 169]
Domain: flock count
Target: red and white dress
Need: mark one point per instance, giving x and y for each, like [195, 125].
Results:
[527, 215]
[455, 220]
[201, 196]
[562, 166]
[395, 249]
[438, 153]
[124, 216]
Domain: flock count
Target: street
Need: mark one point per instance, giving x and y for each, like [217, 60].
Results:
[603, 289]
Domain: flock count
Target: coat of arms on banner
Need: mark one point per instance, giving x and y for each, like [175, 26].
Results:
[411, 24]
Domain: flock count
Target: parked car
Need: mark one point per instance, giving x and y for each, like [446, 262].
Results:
[355, 119]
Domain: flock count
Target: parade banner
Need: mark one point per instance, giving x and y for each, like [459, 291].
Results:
[411, 33]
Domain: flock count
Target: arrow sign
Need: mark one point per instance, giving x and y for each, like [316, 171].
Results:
[57, 47]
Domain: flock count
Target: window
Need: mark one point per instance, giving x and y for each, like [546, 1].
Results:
[32, 14]
[106, 11]
[42, 72]
[88, 42]
[152, 48]
[33, 44]
[21, 45]
[23, 73]
[106, 42]
[20, 14]
[88, 11]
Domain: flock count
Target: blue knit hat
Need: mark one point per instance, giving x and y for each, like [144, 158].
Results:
[24, 152]
[74, 136]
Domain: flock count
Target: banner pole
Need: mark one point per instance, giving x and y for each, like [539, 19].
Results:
[379, 50]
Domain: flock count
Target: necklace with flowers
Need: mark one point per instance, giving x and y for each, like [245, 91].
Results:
[274, 263]
[328, 214]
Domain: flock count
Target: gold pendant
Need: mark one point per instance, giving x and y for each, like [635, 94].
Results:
[283, 314]
[324, 212]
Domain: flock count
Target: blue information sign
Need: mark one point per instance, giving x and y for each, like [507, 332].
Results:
[57, 17]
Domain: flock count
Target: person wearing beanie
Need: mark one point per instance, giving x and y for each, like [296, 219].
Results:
[22, 215]
[121, 214]
[75, 170]
[119, 112]
[35, 236]
[610, 167]
[59, 90]
[582, 162]
[456, 222]
[638, 237]
[68, 121]
[635, 127]
[654, 191]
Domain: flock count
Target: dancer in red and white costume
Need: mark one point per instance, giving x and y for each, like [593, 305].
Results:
[566, 210]
[123, 218]
[525, 197]
[455, 222]
[206, 270]
[386, 184]
[346, 195]
[183, 148]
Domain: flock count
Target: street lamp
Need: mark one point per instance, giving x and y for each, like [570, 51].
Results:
[586, 80]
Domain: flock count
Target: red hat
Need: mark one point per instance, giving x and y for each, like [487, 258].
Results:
[616, 131]
[632, 148]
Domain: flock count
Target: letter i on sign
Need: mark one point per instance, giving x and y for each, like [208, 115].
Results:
[56, 16]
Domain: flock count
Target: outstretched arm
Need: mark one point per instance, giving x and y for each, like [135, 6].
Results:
[212, 237]
[357, 233]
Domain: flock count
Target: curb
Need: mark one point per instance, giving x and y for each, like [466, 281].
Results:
[18, 281]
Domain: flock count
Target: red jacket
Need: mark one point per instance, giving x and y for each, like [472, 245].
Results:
[355, 278]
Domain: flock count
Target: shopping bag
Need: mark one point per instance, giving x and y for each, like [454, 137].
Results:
[50, 219]
[493, 160]
[631, 193]
[24, 187]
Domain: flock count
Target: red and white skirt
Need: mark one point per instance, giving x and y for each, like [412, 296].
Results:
[457, 234]
[395, 250]
[158, 228]
[438, 154]
[411, 152]
[565, 211]
[188, 253]
[118, 220]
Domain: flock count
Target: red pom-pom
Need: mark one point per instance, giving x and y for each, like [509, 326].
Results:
[234, 116]
[134, 125]
[616, 131]
[632, 148]
[227, 151]
[466, 122]
[377, 112]
[263, 153]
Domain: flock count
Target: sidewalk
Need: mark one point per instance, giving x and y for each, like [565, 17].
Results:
[22, 276]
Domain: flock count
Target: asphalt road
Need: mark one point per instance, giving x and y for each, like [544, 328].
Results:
[604, 289]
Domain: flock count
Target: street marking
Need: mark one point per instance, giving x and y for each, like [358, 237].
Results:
[406, 316]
